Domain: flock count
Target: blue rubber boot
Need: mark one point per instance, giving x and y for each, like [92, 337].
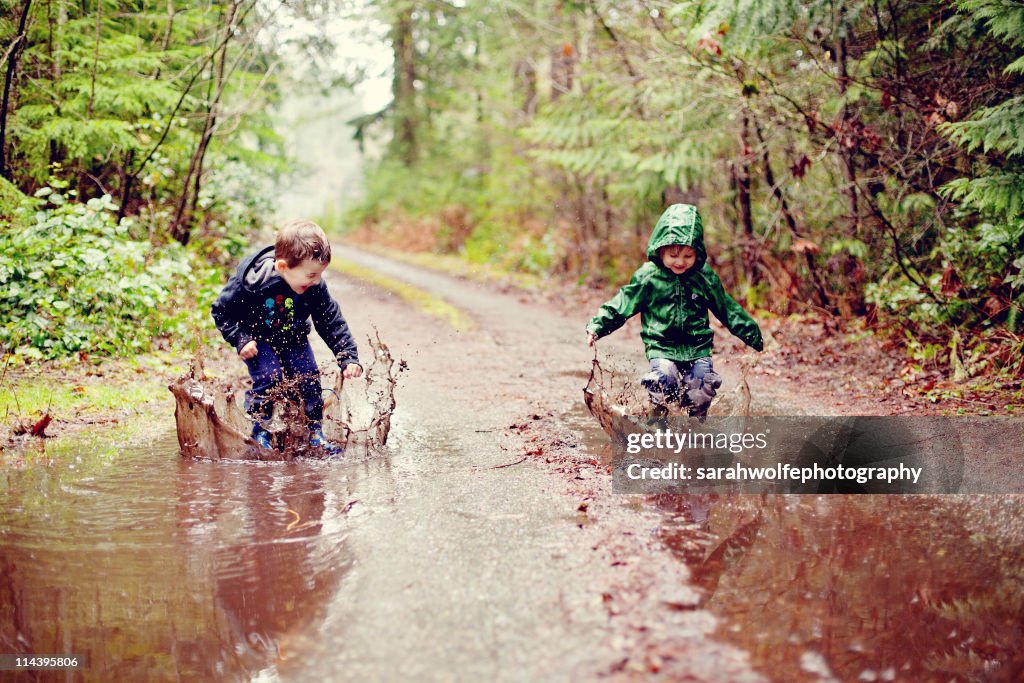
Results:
[261, 436]
[318, 440]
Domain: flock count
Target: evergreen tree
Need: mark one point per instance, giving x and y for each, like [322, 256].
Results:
[995, 188]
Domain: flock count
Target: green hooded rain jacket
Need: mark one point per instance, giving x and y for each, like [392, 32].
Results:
[674, 308]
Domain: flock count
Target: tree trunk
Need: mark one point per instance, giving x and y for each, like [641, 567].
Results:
[741, 170]
[846, 143]
[526, 78]
[132, 175]
[54, 35]
[95, 59]
[790, 219]
[404, 85]
[847, 140]
[12, 66]
[563, 60]
[167, 35]
[181, 225]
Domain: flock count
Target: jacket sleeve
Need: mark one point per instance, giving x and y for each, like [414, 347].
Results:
[332, 328]
[624, 305]
[731, 314]
[227, 310]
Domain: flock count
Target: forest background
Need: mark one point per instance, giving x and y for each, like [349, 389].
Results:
[857, 163]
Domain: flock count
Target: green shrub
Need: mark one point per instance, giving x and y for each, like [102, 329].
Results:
[72, 279]
[12, 200]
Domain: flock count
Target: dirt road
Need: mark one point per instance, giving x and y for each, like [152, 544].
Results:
[467, 569]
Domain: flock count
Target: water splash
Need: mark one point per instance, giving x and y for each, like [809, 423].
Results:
[357, 414]
[609, 395]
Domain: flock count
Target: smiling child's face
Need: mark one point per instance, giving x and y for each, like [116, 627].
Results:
[302, 276]
[678, 258]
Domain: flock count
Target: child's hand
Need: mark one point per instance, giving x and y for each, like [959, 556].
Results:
[248, 351]
[352, 370]
[591, 338]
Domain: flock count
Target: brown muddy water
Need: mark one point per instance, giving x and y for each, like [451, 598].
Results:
[911, 588]
[860, 588]
[156, 567]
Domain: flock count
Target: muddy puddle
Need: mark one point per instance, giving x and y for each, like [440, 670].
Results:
[912, 588]
[155, 567]
[859, 588]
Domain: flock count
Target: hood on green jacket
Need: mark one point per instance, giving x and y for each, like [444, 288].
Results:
[679, 224]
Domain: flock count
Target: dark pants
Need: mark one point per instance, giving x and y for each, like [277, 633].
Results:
[689, 384]
[296, 368]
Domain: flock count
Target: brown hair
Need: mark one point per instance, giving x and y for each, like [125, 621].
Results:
[299, 240]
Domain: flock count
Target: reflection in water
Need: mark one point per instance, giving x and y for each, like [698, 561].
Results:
[157, 568]
[865, 588]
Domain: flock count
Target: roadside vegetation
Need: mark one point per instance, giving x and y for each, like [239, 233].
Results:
[137, 154]
[855, 162]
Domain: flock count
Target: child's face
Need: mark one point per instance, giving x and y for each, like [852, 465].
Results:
[302, 276]
[678, 258]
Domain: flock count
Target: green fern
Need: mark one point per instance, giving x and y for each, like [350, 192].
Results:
[1004, 20]
[999, 128]
[999, 193]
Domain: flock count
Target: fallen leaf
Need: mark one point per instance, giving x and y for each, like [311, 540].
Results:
[39, 428]
[802, 246]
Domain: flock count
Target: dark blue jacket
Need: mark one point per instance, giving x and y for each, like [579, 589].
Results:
[257, 303]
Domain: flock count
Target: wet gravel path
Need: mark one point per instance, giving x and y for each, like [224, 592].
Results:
[465, 568]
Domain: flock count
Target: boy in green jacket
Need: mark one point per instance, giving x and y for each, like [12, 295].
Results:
[673, 293]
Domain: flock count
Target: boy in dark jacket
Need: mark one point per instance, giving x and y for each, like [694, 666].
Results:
[264, 312]
[673, 293]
